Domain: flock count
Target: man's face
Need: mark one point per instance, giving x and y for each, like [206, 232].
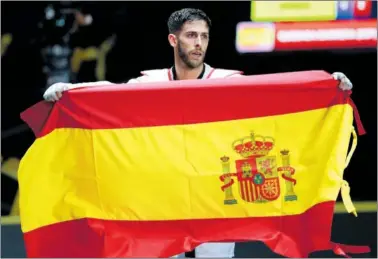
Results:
[192, 42]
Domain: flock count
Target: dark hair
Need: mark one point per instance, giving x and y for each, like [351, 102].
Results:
[178, 18]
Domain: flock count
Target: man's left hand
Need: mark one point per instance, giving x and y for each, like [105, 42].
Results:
[345, 83]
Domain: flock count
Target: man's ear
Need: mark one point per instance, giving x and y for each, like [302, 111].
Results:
[172, 40]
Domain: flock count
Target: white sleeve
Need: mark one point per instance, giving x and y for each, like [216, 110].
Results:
[54, 92]
[73, 86]
[132, 81]
[235, 75]
[140, 79]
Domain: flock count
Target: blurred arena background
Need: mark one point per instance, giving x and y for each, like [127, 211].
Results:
[46, 42]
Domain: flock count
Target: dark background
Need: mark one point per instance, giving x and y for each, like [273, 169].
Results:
[141, 44]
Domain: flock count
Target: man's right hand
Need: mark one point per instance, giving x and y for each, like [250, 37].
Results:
[55, 91]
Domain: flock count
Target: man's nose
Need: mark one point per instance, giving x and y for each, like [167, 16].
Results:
[198, 41]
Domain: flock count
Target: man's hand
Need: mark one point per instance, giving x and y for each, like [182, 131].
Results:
[55, 91]
[345, 83]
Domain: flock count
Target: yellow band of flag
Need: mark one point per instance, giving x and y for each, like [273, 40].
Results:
[177, 176]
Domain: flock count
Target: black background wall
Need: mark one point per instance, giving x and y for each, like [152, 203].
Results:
[141, 43]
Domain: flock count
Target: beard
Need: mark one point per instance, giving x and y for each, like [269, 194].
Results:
[185, 57]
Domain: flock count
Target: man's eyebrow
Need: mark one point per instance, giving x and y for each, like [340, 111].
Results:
[197, 32]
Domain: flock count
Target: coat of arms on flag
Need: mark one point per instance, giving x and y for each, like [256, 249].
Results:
[257, 172]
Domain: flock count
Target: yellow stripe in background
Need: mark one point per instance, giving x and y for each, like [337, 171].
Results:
[361, 206]
[281, 11]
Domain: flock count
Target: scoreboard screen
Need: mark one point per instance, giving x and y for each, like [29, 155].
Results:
[308, 25]
[282, 11]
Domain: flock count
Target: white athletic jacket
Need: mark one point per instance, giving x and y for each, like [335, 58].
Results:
[159, 75]
[155, 75]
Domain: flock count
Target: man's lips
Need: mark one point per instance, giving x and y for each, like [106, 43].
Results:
[196, 54]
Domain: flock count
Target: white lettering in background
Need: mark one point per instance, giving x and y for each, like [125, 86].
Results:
[344, 5]
[361, 5]
[342, 34]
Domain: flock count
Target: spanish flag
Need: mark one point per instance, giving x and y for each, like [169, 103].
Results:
[155, 169]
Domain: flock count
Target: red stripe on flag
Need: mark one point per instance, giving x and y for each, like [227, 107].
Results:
[245, 190]
[292, 236]
[197, 101]
[251, 190]
[248, 190]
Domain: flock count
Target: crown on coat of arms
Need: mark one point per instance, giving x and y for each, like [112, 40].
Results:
[253, 145]
[225, 159]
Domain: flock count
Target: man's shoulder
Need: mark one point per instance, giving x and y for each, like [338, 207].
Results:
[155, 72]
[223, 73]
[152, 75]
[210, 72]
[164, 74]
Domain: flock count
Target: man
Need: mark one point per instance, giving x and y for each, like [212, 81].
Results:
[189, 36]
